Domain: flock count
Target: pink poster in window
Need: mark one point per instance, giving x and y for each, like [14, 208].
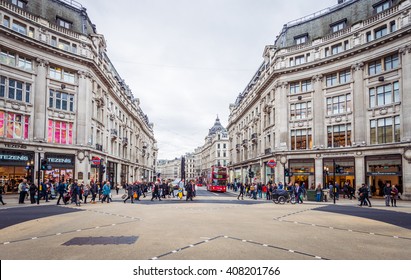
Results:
[50, 132]
[26, 127]
[17, 127]
[57, 132]
[70, 133]
[64, 133]
[1, 124]
[10, 125]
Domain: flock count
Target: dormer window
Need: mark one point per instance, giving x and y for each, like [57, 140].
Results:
[339, 25]
[64, 23]
[301, 39]
[19, 3]
[382, 6]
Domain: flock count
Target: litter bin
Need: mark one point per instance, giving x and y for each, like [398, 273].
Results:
[311, 195]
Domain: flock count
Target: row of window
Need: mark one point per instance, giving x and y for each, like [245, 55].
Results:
[341, 24]
[15, 90]
[382, 131]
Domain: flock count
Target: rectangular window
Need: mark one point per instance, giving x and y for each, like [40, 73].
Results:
[68, 77]
[61, 101]
[63, 45]
[380, 7]
[393, 26]
[301, 39]
[14, 126]
[339, 104]
[380, 32]
[391, 62]
[306, 86]
[2, 86]
[64, 23]
[19, 3]
[331, 80]
[25, 63]
[53, 41]
[384, 95]
[339, 135]
[385, 130]
[8, 58]
[300, 110]
[338, 26]
[301, 139]
[6, 21]
[336, 48]
[345, 76]
[19, 27]
[60, 132]
[299, 60]
[374, 67]
[15, 90]
[28, 92]
[368, 36]
[55, 73]
[294, 88]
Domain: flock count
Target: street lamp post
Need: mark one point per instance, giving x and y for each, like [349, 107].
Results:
[283, 160]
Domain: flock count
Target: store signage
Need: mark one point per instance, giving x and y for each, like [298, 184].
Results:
[15, 146]
[271, 163]
[95, 160]
[59, 160]
[383, 173]
[14, 157]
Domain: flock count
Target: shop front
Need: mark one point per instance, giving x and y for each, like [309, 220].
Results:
[14, 167]
[383, 169]
[302, 171]
[111, 173]
[269, 172]
[62, 167]
[340, 170]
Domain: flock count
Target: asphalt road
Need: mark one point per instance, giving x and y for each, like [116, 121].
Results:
[212, 226]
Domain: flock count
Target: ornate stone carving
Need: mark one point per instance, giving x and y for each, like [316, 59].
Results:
[317, 78]
[357, 66]
[404, 50]
[42, 62]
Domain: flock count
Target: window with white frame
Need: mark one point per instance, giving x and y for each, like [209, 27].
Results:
[301, 139]
[15, 90]
[383, 64]
[61, 101]
[340, 104]
[64, 23]
[382, 6]
[301, 86]
[384, 95]
[380, 32]
[59, 73]
[301, 39]
[337, 26]
[385, 130]
[19, 27]
[19, 3]
[339, 135]
[301, 110]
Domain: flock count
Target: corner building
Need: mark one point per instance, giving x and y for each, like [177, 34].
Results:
[62, 100]
[331, 101]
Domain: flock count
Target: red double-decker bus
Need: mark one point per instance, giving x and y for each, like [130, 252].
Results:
[217, 179]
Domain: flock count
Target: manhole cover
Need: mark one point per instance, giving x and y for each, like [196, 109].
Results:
[102, 240]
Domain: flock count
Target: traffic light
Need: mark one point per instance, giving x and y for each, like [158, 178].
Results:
[103, 169]
[287, 172]
[339, 169]
[43, 164]
[250, 173]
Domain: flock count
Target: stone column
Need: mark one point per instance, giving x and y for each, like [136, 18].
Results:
[358, 99]
[83, 113]
[406, 174]
[319, 174]
[317, 108]
[405, 54]
[359, 171]
[40, 102]
[281, 117]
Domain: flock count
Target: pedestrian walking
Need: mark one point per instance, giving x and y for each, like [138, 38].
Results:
[156, 191]
[86, 192]
[106, 192]
[33, 190]
[318, 192]
[61, 189]
[364, 192]
[394, 196]
[242, 189]
[130, 193]
[22, 188]
[387, 193]
[1, 195]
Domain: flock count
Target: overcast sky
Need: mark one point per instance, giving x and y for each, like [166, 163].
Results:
[187, 60]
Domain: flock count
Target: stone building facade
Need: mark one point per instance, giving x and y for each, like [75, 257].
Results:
[330, 101]
[62, 100]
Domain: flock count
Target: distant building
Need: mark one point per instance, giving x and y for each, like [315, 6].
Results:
[330, 101]
[62, 100]
[213, 152]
